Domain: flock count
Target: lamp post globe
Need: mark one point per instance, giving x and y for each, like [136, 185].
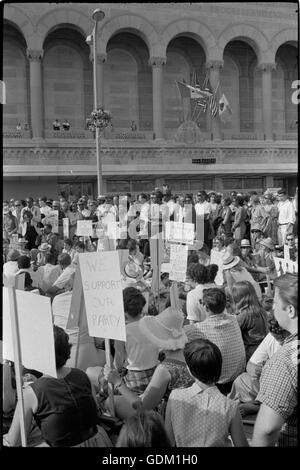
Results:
[98, 15]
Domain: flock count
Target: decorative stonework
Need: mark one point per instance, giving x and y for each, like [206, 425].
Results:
[157, 61]
[62, 156]
[101, 58]
[266, 67]
[35, 55]
[214, 64]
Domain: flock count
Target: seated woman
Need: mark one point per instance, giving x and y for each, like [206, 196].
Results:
[164, 331]
[251, 317]
[246, 386]
[64, 408]
[134, 252]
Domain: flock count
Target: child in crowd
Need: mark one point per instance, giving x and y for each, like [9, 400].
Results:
[137, 357]
[144, 429]
[200, 416]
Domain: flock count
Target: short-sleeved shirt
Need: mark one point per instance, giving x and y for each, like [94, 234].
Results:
[224, 331]
[200, 417]
[141, 354]
[279, 388]
[253, 326]
[65, 280]
[196, 311]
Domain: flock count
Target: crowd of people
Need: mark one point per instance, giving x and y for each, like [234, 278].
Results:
[186, 376]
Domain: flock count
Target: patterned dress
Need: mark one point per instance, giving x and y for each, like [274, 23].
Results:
[271, 227]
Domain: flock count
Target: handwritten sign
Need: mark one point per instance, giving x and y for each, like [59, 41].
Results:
[66, 227]
[35, 331]
[84, 228]
[178, 262]
[216, 257]
[52, 219]
[285, 265]
[102, 288]
[179, 232]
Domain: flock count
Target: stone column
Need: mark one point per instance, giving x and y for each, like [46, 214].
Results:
[101, 59]
[157, 89]
[266, 70]
[36, 96]
[213, 68]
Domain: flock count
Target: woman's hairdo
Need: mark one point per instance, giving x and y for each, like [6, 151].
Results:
[134, 301]
[204, 359]
[62, 346]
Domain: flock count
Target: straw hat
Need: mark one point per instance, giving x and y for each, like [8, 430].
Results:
[230, 261]
[165, 330]
[245, 243]
[268, 242]
[132, 270]
[44, 247]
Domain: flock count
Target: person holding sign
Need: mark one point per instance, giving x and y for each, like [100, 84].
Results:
[65, 280]
[64, 408]
[164, 331]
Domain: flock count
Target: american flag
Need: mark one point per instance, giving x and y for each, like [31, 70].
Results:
[211, 102]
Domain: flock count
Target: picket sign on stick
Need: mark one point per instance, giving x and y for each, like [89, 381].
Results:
[269, 288]
[174, 297]
[17, 359]
[156, 253]
[178, 262]
[66, 227]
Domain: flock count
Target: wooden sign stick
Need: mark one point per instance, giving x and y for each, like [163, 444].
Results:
[18, 360]
[269, 289]
[110, 387]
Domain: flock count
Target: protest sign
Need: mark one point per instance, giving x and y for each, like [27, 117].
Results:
[285, 265]
[178, 262]
[66, 227]
[84, 228]
[179, 232]
[35, 331]
[52, 219]
[103, 295]
[216, 257]
[165, 267]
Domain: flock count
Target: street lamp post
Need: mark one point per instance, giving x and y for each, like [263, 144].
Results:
[97, 15]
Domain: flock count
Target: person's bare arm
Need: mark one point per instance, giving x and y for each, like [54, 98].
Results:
[13, 437]
[237, 432]
[267, 427]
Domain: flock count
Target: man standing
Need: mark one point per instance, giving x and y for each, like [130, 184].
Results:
[286, 217]
[277, 418]
[203, 209]
[36, 213]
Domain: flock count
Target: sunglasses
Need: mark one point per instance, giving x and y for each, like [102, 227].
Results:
[17, 205]
[290, 239]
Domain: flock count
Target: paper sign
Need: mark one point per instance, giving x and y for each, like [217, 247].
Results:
[216, 257]
[36, 331]
[285, 265]
[178, 262]
[103, 295]
[52, 219]
[66, 227]
[20, 281]
[84, 228]
[165, 267]
[179, 232]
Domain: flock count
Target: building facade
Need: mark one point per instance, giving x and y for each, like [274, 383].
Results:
[249, 51]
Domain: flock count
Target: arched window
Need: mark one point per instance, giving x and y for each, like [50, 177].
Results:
[15, 76]
[64, 86]
[229, 85]
[121, 89]
[278, 100]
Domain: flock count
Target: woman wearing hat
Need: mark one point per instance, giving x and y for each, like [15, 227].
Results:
[266, 259]
[43, 249]
[164, 331]
[234, 271]
[271, 227]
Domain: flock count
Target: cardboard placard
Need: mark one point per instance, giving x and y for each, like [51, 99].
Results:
[284, 265]
[35, 331]
[66, 224]
[52, 219]
[103, 295]
[178, 262]
[216, 257]
[84, 228]
[179, 232]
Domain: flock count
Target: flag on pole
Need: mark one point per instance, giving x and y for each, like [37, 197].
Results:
[225, 111]
[211, 101]
[188, 91]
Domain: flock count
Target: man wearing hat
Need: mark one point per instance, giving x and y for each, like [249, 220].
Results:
[101, 209]
[266, 259]
[132, 274]
[256, 235]
[43, 249]
[9, 222]
[251, 263]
